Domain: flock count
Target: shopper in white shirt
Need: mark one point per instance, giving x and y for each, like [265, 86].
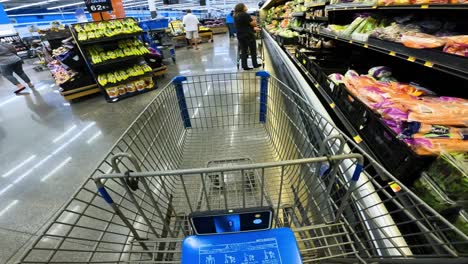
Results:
[191, 22]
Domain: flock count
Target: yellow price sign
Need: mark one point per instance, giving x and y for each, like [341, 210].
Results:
[316, 85]
[424, 6]
[350, 42]
[357, 138]
[304, 61]
[392, 53]
[366, 46]
[332, 105]
[428, 64]
[374, 7]
[412, 59]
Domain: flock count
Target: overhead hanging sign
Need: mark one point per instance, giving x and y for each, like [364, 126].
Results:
[95, 6]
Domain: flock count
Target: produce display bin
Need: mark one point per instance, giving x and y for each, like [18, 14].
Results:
[395, 155]
[287, 41]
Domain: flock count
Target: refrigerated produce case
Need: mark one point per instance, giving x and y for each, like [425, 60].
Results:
[317, 53]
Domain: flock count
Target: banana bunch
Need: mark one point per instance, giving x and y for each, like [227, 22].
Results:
[122, 75]
[129, 47]
[146, 68]
[111, 28]
[102, 79]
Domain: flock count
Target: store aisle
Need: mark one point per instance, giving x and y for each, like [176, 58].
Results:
[49, 146]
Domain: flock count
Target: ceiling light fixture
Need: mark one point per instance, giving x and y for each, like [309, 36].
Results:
[67, 5]
[33, 4]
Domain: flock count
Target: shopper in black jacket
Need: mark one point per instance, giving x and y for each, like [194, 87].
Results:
[245, 26]
[10, 62]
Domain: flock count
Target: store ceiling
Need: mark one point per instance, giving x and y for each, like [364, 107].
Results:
[31, 6]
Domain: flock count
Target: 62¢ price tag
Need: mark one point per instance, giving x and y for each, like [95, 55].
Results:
[94, 6]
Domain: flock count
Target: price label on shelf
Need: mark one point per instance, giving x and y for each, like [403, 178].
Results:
[394, 186]
[392, 53]
[428, 64]
[412, 59]
[424, 6]
[95, 6]
[366, 46]
[357, 138]
[332, 105]
[304, 61]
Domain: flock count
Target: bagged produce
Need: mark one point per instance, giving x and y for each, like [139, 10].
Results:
[440, 111]
[450, 172]
[421, 40]
[457, 45]
[380, 72]
[394, 31]
[435, 146]
[430, 130]
[425, 188]
[336, 77]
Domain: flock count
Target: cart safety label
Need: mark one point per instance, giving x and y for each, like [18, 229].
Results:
[262, 251]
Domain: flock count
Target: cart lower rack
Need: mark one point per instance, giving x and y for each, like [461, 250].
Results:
[241, 140]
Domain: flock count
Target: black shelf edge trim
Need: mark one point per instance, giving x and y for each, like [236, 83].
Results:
[114, 61]
[298, 29]
[298, 14]
[429, 58]
[123, 36]
[317, 18]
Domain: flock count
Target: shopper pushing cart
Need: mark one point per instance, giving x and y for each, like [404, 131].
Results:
[246, 27]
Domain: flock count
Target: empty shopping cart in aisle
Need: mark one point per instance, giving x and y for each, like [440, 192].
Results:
[236, 141]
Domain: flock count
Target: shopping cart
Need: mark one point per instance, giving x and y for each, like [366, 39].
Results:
[241, 140]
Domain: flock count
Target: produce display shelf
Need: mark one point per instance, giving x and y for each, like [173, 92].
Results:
[134, 78]
[298, 14]
[316, 18]
[114, 61]
[80, 92]
[351, 6]
[448, 63]
[118, 37]
[298, 29]
[128, 95]
[160, 71]
[330, 104]
[270, 3]
[309, 5]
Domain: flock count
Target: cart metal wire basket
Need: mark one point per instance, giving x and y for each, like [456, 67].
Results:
[240, 140]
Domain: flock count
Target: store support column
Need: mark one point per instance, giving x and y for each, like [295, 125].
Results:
[152, 8]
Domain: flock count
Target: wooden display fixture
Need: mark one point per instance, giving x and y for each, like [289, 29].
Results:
[219, 30]
[161, 71]
[80, 92]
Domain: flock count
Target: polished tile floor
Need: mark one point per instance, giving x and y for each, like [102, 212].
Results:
[49, 146]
